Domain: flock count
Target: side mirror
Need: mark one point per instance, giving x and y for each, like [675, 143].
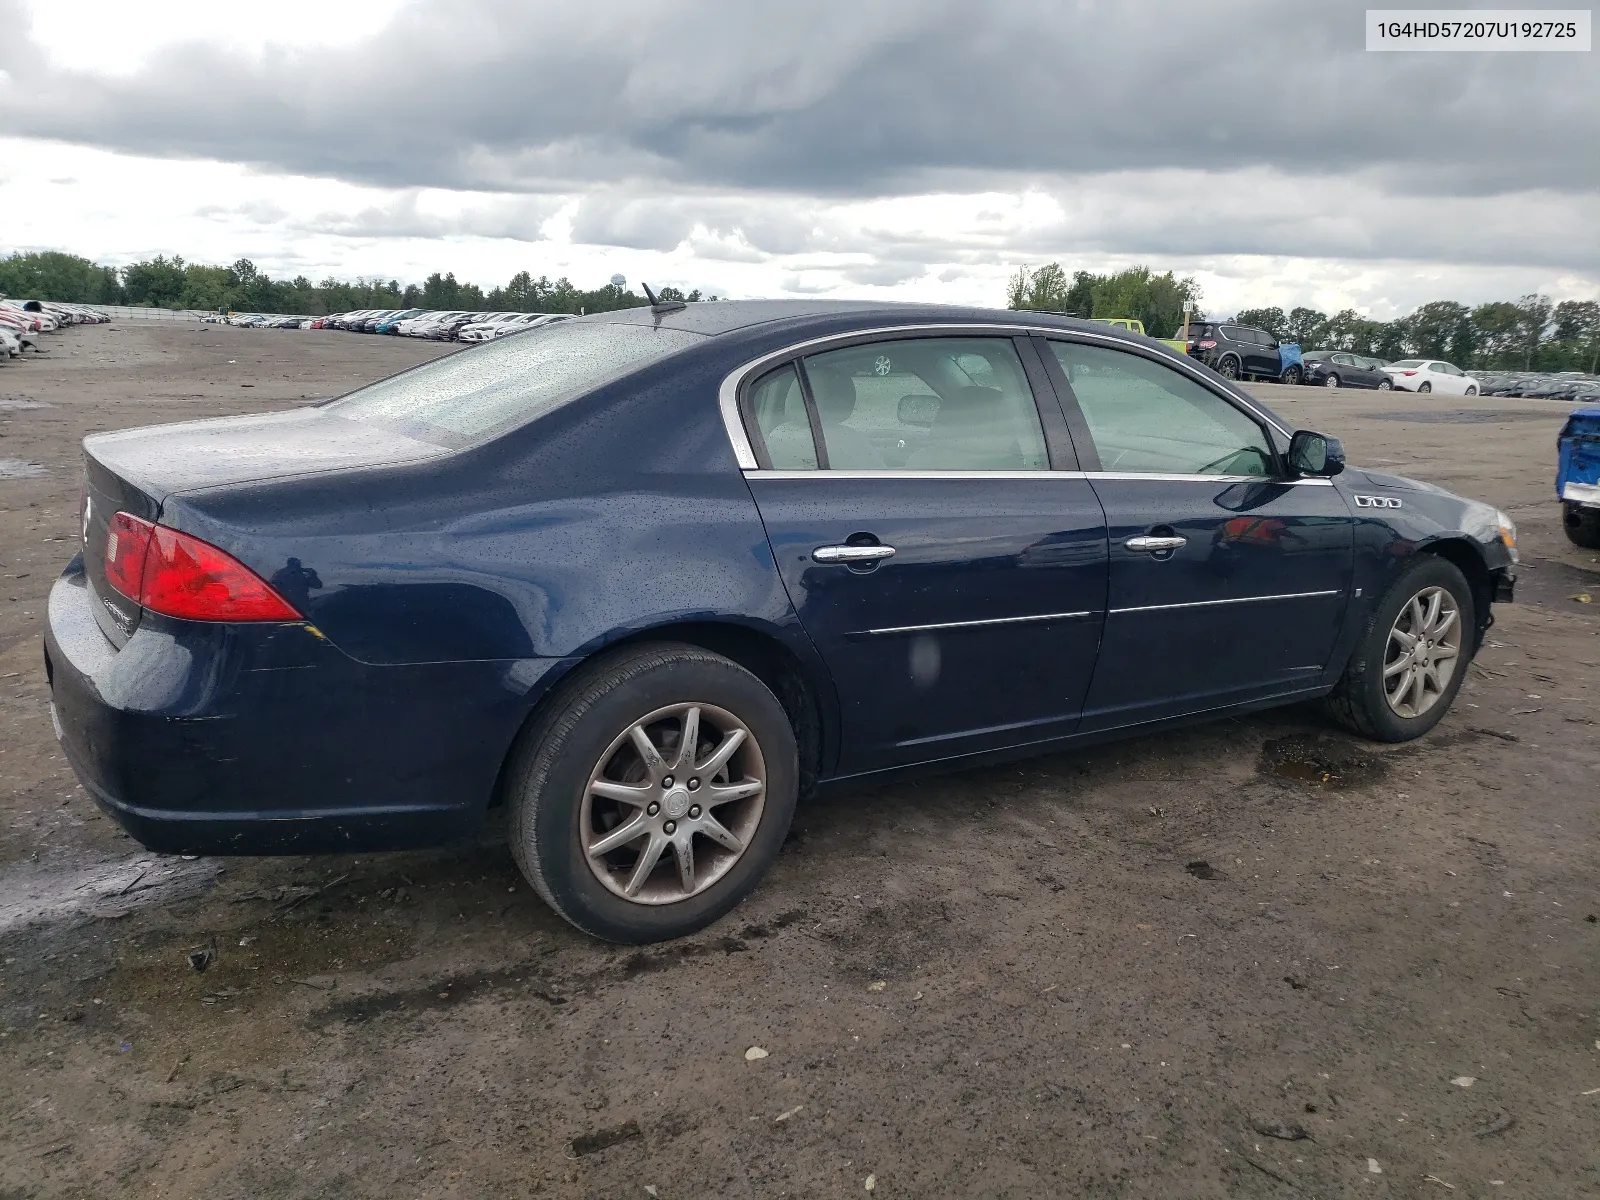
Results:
[918, 410]
[1315, 455]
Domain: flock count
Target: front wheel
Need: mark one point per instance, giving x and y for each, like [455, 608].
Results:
[1472, 391]
[1424, 387]
[1412, 656]
[1291, 375]
[1582, 525]
[654, 792]
[1386, 385]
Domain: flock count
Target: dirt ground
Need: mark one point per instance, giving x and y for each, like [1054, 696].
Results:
[1139, 970]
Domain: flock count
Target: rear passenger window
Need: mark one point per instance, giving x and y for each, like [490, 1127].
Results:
[1148, 418]
[927, 404]
[780, 412]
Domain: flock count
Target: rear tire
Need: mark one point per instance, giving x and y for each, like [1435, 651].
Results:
[1582, 525]
[1228, 368]
[1331, 381]
[1424, 387]
[563, 779]
[1361, 702]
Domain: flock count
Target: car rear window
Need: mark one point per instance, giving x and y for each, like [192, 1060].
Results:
[1407, 362]
[504, 383]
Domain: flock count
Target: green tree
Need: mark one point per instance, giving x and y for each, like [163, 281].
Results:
[1305, 327]
[1155, 300]
[1533, 319]
[1045, 289]
[1496, 327]
[1443, 329]
[1577, 329]
[1270, 319]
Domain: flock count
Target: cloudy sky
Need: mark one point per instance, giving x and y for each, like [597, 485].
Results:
[902, 149]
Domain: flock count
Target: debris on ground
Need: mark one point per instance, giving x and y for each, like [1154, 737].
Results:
[1499, 1123]
[1201, 869]
[1373, 1168]
[877, 985]
[604, 1139]
[1464, 1081]
[202, 958]
[784, 1116]
[1440, 1182]
[754, 1053]
[872, 1182]
[1281, 1130]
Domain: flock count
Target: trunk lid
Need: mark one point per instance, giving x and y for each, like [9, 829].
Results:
[135, 470]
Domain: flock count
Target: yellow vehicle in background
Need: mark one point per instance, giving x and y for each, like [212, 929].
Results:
[1135, 325]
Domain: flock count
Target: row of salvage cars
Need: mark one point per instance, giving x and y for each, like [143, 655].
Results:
[23, 322]
[407, 322]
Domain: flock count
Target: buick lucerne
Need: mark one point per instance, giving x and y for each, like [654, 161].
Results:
[647, 577]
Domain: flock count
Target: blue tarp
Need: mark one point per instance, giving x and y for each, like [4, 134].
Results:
[1579, 446]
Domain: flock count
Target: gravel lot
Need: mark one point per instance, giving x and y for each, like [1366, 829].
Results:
[1131, 971]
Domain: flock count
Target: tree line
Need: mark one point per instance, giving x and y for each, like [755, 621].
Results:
[163, 282]
[1530, 333]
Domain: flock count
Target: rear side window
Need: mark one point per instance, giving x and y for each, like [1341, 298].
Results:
[505, 383]
[1147, 418]
[927, 404]
[780, 411]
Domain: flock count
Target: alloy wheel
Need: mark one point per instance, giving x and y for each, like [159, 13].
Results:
[1385, 385]
[1332, 381]
[673, 803]
[1229, 369]
[1423, 652]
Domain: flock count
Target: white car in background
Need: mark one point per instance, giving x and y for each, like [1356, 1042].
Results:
[1431, 375]
[506, 323]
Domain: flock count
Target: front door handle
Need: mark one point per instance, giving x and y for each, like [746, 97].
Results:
[852, 554]
[1156, 545]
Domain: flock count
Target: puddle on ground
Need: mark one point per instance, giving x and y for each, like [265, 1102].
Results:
[16, 468]
[31, 891]
[1320, 762]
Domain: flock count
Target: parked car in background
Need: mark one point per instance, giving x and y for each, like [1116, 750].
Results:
[1340, 368]
[391, 323]
[1578, 477]
[1431, 375]
[701, 559]
[1243, 352]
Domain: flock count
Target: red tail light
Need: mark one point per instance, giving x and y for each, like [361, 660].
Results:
[1408, 372]
[1207, 345]
[178, 575]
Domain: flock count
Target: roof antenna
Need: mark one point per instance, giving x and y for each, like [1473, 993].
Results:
[660, 306]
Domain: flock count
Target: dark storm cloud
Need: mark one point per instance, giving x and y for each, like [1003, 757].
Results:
[865, 97]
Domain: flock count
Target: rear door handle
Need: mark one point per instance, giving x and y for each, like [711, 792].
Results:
[852, 554]
[1155, 545]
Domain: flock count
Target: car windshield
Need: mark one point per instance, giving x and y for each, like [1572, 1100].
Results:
[465, 396]
[1408, 362]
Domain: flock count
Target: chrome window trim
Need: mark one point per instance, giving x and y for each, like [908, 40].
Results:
[1231, 600]
[1061, 616]
[728, 391]
[757, 473]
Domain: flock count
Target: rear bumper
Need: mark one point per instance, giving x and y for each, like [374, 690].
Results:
[1586, 495]
[265, 739]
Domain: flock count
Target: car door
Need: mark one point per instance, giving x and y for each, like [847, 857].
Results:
[940, 549]
[1267, 360]
[1228, 580]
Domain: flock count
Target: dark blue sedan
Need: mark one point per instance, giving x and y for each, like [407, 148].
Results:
[647, 577]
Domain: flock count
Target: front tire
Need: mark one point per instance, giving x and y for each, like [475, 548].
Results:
[1582, 525]
[1291, 376]
[608, 757]
[1471, 391]
[1412, 656]
[1386, 385]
